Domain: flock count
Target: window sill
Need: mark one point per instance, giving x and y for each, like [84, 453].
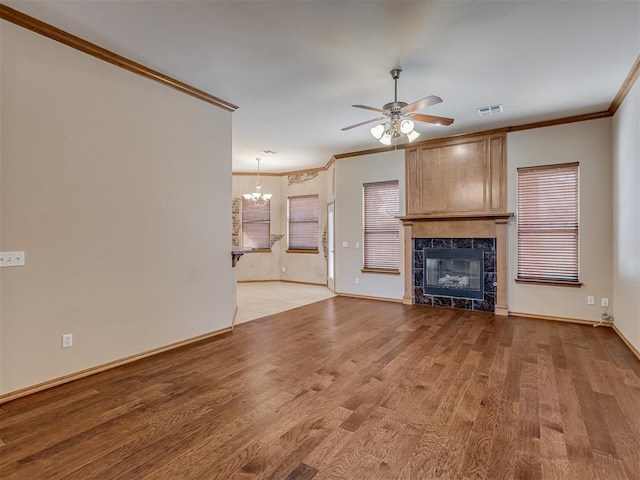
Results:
[380, 271]
[301, 251]
[261, 250]
[556, 283]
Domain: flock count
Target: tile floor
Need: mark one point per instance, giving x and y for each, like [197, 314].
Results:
[259, 299]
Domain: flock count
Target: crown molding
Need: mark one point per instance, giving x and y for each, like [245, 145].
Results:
[54, 33]
[626, 86]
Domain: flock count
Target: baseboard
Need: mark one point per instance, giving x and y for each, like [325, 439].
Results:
[7, 397]
[367, 297]
[305, 283]
[284, 281]
[559, 319]
[259, 281]
[635, 351]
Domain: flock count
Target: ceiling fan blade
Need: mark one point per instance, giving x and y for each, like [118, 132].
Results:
[363, 123]
[432, 119]
[423, 103]
[366, 107]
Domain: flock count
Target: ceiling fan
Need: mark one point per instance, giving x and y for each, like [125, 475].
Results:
[399, 116]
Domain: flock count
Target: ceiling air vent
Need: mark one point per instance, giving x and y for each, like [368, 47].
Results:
[492, 110]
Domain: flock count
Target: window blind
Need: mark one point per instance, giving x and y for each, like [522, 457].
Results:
[381, 204]
[303, 223]
[256, 225]
[548, 222]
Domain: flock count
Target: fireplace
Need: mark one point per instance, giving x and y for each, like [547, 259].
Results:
[454, 272]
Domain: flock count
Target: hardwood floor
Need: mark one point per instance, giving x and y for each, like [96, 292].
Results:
[347, 388]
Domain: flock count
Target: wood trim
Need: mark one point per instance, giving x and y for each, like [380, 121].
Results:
[367, 297]
[255, 174]
[466, 136]
[259, 281]
[534, 168]
[283, 281]
[560, 121]
[407, 232]
[380, 271]
[459, 139]
[285, 174]
[304, 283]
[556, 283]
[54, 33]
[235, 313]
[635, 351]
[626, 86]
[307, 170]
[309, 195]
[559, 319]
[7, 397]
[457, 216]
[329, 163]
[302, 251]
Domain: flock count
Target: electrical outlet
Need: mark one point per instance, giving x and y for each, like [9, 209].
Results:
[284, 269]
[11, 259]
[357, 280]
[67, 340]
[357, 244]
[604, 302]
[591, 300]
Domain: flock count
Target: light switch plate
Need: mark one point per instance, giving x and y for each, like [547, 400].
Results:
[11, 259]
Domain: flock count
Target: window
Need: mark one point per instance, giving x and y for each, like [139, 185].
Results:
[548, 224]
[381, 202]
[256, 225]
[303, 224]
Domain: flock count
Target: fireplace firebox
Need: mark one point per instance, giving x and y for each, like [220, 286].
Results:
[454, 272]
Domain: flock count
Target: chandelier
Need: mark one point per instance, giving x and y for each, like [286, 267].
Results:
[258, 198]
[395, 128]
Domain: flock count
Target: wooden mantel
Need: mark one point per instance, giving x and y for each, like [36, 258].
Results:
[456, 188]
[461, 225]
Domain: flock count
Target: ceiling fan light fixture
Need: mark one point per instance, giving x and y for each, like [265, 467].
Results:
[378, 131]
[407, 126]
[412, 135]
[401, 116]
[386, 138]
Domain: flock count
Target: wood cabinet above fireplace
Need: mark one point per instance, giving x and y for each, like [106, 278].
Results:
[456, 176]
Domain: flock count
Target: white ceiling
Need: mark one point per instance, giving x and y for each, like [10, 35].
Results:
[294, 67]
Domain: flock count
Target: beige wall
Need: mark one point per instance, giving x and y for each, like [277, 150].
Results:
[590, 144]
[626, 217]
[351, 174]
[123, 212]
[298, 267]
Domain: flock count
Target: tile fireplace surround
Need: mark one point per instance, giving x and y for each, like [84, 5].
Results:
[486, 231]
[487, 247]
